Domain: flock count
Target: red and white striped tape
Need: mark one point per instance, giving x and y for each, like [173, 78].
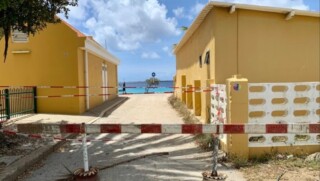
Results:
[196, 91]
[111, 87]
[83, 95]
[170, 128]
[84, 87]
[95, 95]
[68, 96]
[183, 90]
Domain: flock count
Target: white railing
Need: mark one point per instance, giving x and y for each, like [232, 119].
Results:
[284, 103]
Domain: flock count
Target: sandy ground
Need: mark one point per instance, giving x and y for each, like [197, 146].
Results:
[144, 109]
[293, 169]
[185, 160]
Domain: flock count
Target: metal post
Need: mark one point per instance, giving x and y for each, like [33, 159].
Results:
[215, 153]
[7, 106]
[35, 105]
[85, 150]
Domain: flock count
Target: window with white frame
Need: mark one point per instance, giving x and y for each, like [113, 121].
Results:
[19, 37]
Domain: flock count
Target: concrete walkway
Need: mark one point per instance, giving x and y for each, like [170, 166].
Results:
[87, 117]
[17, 167]
[185, 161]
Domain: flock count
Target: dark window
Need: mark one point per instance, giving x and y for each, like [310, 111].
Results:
[200, 61]
[207, 60]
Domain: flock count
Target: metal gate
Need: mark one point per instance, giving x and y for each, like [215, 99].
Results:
[16, 102]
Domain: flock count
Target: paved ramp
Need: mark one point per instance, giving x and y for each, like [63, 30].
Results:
[184, 160]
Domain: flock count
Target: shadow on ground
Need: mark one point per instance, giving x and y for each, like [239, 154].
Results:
[184, 162]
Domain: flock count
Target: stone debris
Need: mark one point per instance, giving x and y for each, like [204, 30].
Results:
[313, 157]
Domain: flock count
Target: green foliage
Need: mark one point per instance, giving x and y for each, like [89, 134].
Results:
[315, 165]
[184, 28]
[152, 82]
[174, 46]
[182, 109]
[30, 16]
[264, 158]
[203, 140]
[239, 162]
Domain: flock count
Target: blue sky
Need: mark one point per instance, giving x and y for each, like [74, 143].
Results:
[141, 33]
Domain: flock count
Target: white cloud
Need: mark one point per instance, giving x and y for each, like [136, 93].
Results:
[79, 12]
[167, 50]
[125, 24]
[179, 12]
[150, 55]
[195, 10]
[294, 4]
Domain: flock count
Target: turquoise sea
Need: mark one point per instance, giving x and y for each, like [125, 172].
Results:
[140, 87]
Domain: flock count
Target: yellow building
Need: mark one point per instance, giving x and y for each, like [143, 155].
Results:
[60, 55]
[262, 44]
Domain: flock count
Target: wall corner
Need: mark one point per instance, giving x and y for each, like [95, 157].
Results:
[237, 113]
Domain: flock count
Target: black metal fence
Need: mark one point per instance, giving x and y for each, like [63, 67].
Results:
[17, 102]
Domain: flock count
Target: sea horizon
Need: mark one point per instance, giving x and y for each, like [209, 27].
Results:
[138, 87]
[139, 81]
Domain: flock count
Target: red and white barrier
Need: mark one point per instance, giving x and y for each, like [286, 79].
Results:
[84, 87]
[83, 95]
[95, 95]
[189, 89]
[68, 96]
[170, 128]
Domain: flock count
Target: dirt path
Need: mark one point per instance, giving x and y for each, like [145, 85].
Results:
[185, 160]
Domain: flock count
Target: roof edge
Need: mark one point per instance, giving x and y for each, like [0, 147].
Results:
[267, 9]
[97, 49]
[204, 12]
[78, 32]
[194, 25]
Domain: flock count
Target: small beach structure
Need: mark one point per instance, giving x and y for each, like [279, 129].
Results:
[61, 55]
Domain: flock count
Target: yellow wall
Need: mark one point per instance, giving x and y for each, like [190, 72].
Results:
[264, 47]
[95, 79]
[188, 62]
[56, 58]
[237, 113]
[260, 46]
[225, 31]
[81, 80]
[112, 79]
[272, 49]
[189, 97]
[52, 61]
[197, 99]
